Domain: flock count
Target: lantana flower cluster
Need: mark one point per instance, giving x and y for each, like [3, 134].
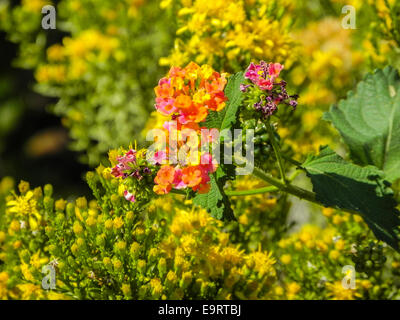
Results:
[187, 95]
[263, 77]
[184, 97]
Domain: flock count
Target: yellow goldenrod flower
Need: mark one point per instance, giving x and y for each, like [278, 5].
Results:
[337, 292]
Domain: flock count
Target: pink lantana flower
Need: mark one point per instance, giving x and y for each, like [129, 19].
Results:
[129, 196]
[264, 74]
[178, 183]
[208, 163]
[165, 106]
[159, 157]
[275, 69]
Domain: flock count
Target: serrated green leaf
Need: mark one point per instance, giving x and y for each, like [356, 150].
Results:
[226, 117]
[369, 122]
[215, 201]
[338, 183]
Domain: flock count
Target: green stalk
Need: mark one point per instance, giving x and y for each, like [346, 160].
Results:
[277, 152]
[277, 185]
[293, 190]
[251, 192]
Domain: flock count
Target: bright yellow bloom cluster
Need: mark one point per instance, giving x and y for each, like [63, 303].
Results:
[227, 34]
[72, 60]
[198, 247]
[24, 207]
[328, 59]
[183, 254]
[338, 292]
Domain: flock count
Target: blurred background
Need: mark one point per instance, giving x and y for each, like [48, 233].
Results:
[33, 142]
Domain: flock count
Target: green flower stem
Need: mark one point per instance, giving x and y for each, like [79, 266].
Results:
[277, 152]
[293, 190]
[251, 192]
[277, 185]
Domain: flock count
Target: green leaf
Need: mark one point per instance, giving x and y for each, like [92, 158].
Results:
[343, 185]
[369, 122]
[215, 201]
[225, 118]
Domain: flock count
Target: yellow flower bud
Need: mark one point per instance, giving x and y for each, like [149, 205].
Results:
[244, 219]
[121, 190]
[106, 173]
[2, 236]
[366, 284]
[107, 261]
[77, 228]
[340, 244]
[120, 245]
[117, 264]
[337, 219]
[93, 204]
[153, 253]
[23, 186]
[37, 193]
[327, 212]
[334, 254]
[141, 265]
[129, 215]
[186, 279]
[156, 286]
[74, 248]
[48, 190]
[108, 224]
[162, 266]
[293, 288]
[171, 277]
[4, 277]
[6, 184]
[118, 222]
[93, 212]
[81, 203]
[15, 225]
[134, 250]
[279, 291]
[80, 242]
[126, 289]
[91, 221]
[286, 258]
[60, 204]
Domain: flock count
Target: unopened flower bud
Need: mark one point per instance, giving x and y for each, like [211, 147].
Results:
[141, 265]
[81, 203]
[23, 187]
[77, 228]
[60, 205]
[48, 190]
